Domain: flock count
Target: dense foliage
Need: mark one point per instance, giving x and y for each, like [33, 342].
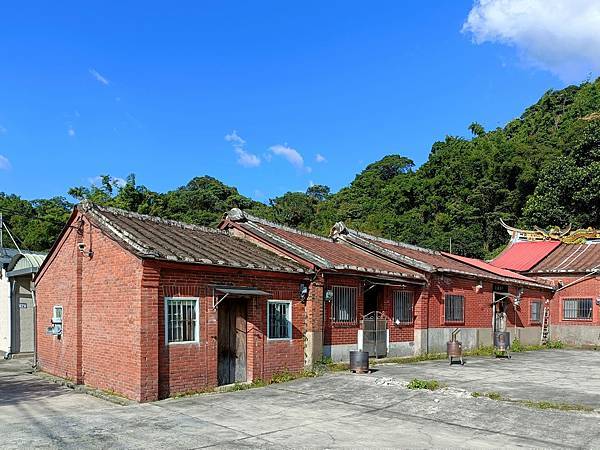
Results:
[540, 169]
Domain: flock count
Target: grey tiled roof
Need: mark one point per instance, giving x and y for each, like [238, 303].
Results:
[156, 238]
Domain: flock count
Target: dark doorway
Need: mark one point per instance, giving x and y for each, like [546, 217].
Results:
[371, 296]
[232, 341]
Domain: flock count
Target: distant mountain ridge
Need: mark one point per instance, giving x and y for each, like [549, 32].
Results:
[542, 168]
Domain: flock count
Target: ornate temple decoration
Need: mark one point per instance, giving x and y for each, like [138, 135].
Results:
[564, 235]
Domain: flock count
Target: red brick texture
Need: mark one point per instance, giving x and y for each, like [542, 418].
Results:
[184, 367]
[113, 319]
[589, 287]
[100, 345]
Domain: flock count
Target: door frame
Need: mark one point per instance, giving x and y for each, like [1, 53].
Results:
[227, 308]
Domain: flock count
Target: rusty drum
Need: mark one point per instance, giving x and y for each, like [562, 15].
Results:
[359, 362]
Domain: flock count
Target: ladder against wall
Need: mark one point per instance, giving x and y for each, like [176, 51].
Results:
[545, 325]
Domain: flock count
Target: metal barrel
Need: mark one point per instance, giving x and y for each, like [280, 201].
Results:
[359, 361]
[454, 349]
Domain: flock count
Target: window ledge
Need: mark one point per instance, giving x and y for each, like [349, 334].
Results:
[177, 344]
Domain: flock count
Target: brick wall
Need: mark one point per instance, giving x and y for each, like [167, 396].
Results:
[184, 367]
[477, 304]
[587, 288]
[100, 295]
[113, 325]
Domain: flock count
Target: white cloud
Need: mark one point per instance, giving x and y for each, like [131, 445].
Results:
[3, 130]
[320, 158]
[4, 163]
[101, 79]
[245, 158]
[290, 154]
[71, 131]
[562, 36]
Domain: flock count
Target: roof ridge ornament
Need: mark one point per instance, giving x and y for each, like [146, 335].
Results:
[337, 230]
[564, 235]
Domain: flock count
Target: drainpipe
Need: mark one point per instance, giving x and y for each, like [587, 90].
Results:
[34, 301]
[10, 317]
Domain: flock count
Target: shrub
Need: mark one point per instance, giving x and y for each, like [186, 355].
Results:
[554, 344]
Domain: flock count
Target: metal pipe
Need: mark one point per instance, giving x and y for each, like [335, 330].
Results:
[34, 300]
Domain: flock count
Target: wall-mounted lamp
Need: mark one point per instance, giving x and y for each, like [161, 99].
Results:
[479, 287]
[598, 301]
[303, 292]
[328, 295]
[81, 247]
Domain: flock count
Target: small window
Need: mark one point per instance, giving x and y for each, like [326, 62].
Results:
[577, 309]
[57, 314]
[181, 316]
[454, 308]
[403, 306]
[536, 311]
[279, 320]
[343, 307]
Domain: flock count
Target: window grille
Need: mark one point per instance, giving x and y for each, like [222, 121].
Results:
[182, 320]
[536, 309]
[577, 308]
[454, 308]
[279, 320]
[343, 308]
[403, 306]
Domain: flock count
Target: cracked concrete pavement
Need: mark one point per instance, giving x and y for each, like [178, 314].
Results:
[335, 410]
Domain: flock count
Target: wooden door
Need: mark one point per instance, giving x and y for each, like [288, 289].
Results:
[232, 341]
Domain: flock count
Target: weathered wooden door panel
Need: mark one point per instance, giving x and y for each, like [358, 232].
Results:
[232, 341]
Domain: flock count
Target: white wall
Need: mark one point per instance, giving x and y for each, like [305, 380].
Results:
[4, 313]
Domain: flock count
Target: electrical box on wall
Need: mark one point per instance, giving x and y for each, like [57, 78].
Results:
[57, 318]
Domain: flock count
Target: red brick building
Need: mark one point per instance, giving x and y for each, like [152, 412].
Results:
[150, 307]
[571, 261]
[423, 294]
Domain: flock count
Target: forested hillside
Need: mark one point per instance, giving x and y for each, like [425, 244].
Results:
[540, 169]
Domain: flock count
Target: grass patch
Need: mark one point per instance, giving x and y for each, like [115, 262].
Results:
[430, 385]
[326, 364]
[553, 405]
[555, 345]
[544, 405]
[409, 359]
[279, 377]
[493, 395]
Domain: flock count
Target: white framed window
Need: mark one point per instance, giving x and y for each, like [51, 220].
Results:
[403, 306]
[279, 319]
[343, 305]
[454, 308]
[57, 314]
[577, 309]
[181, 320]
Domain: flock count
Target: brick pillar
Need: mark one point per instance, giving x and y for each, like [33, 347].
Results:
[313, 323]
[149, 332]
[78, 313]
[422, 318]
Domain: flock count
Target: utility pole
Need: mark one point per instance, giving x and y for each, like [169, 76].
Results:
[450, 244]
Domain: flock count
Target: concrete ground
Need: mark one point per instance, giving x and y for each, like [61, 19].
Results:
[336, 410]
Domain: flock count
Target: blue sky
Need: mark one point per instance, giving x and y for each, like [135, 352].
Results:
[268, 96]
